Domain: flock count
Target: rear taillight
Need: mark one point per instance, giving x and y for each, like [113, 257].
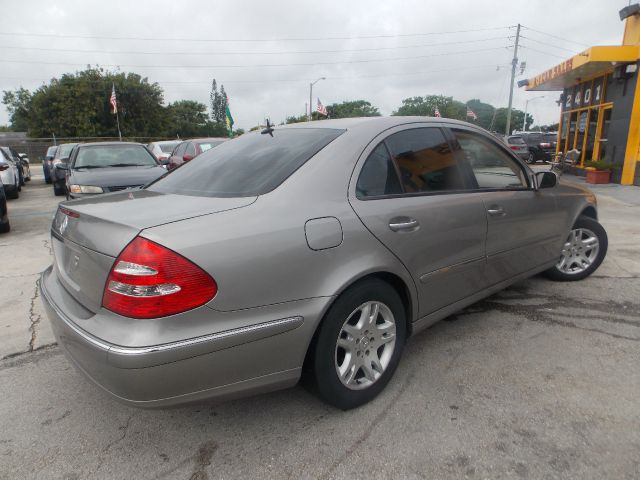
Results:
[148, 280]
[545, 145]
[515, 147]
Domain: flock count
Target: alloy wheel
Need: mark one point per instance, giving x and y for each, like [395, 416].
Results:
[579, 251]
[365, 345]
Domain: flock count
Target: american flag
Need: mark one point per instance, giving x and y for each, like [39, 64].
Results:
[112, 100]
[437, 113]
[471, 114]
[322, 110]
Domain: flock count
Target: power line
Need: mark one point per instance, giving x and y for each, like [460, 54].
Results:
[291, 52]
[542, 52]
[221, 40]
[573, 52]
[556, 37]
[308, 64]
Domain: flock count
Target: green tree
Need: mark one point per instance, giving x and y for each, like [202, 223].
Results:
[218, 103]
[483, 111]
[187, 118]
[517, 117]
[426, 106]
[353, 108]
[18, 103]
[77, 105]
[299, 119]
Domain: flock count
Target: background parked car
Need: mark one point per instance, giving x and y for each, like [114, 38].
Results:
[58, 176]
[189, 149]
[4, 213]
[47, 163]
[520, 148]
[541, 144]
[12, 155]
[26, 167]
[162, 150]
[9, 175]
[109, 167]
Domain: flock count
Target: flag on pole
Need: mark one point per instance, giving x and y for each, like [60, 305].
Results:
[228, 118]
[112, 100]
[322, 110]
[471, 115]
[437, 113]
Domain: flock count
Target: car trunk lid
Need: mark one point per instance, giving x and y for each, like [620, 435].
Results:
[88, 234]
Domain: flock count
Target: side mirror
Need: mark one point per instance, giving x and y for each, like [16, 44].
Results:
[62, 166]
[3, 166]
[164, 161]
[186, 157]
[546, 179]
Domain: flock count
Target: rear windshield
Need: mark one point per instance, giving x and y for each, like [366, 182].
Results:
[51, 151]
[250, 165]
[204, 146]
[550, 137]
[516, 141]
[65, 150]
[167, 147]
[114, 156]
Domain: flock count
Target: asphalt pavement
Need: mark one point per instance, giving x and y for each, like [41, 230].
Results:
[539, 381]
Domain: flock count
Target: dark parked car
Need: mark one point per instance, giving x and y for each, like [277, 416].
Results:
[47, 163]
[109, 167]
[60, 160]
[190, 149]
[4, 213]
[541, 145]
[318, 250]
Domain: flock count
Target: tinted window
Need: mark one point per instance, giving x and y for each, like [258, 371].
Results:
[492, 166]
[114, 156]
[516, 141]
[425, 161]
[252, 164]
[378, 175]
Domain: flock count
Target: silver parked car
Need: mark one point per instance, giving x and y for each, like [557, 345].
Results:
[317, 247]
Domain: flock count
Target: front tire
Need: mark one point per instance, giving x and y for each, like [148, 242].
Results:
[59, 191]
[582, 253]
[359, 344]
[531, 159]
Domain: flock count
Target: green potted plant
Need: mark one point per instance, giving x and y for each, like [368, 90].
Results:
[599, 171]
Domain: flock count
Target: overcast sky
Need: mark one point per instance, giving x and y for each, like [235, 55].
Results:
[266, 53]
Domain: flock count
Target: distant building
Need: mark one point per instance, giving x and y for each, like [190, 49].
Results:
[600, 101]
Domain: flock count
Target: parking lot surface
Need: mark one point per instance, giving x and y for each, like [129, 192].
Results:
[539, 381]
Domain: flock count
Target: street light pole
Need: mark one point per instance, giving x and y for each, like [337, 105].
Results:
[526, 104]
[311, 96]
[514, 64]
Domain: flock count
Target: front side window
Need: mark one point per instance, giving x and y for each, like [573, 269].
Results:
[492, 167]
[425, 161]
[378, 176]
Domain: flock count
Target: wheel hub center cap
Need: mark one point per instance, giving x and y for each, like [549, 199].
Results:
[364, 341]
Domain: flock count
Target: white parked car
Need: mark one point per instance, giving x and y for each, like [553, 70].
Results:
[162, 150]
[9, 176]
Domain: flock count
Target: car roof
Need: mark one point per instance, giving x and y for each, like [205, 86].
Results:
[107, 144]
[207, 139]
[165, 142]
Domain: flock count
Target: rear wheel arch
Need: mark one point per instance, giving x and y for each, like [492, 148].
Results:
[590, 212]
[391, 279]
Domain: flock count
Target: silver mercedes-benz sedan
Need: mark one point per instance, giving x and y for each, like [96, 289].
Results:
[316, 248]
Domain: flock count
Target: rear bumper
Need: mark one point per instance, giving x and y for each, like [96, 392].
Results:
[228, 364]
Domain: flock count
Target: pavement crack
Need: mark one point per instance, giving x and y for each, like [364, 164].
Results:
[47, 245]
[124, 428]
[369, 430]
[34, 319]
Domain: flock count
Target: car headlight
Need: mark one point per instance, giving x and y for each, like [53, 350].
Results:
[85, 189]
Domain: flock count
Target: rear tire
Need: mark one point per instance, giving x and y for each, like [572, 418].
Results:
[5, 227]
[59, 191]
[12, 193]
[531, 159]
[582, 253]
[359, 344]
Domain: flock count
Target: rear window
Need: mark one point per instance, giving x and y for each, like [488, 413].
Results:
[550, 137]
[253, 164]
[113, 156]
[167, 147]
[204, 146]
[516, 141]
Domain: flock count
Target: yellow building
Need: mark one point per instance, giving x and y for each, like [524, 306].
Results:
[600, 102]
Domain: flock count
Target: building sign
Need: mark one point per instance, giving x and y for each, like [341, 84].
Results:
[554, 72]
[583, 95]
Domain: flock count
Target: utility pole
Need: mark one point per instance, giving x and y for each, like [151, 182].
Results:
[514, 64]
[311, 95]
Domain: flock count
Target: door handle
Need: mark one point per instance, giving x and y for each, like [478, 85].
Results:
[496, 211]
[403, 224]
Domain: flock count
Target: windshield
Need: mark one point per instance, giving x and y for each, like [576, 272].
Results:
[51, 151]
[114, 156]
[252, 164]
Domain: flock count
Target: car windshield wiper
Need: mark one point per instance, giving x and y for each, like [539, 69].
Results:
[128, 165]
[88, 166]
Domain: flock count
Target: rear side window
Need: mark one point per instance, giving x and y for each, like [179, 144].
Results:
[191, 149]
[425, 161]
[253, 164]
[492, 167]
[180, 149]
[378, 176]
